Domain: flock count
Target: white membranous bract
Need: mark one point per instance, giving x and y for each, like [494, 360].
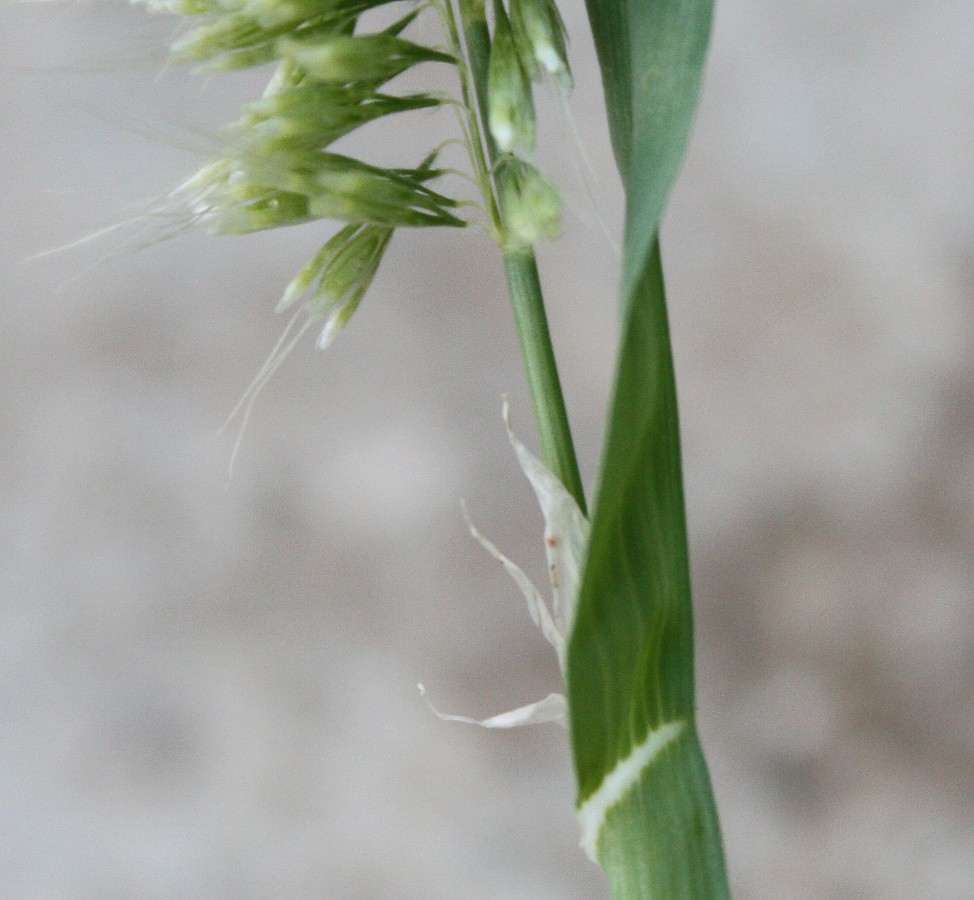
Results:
[566, 535]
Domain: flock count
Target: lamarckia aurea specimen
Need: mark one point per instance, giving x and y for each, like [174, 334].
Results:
[620, 618]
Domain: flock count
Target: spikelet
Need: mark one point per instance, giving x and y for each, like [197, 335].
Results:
[540, 36]
[510, 107]
[530, 203]
[341, 272]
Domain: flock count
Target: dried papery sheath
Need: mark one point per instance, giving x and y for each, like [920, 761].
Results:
[539, 33]
[510, 107]
[552, 709]
[530, 203]
[566, 532]
[538, 609]
[566, 535]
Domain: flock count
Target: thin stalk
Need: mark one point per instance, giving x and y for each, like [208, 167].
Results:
[477, 36]
[524, 287]
[550, 415]
[469, 121]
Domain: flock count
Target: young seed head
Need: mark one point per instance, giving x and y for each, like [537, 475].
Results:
[510, 107]
[530, 203]
[540, 35]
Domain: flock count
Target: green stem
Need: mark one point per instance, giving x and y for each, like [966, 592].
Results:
[470, 123]
[524, 287]
[477, 37]
[550, 415]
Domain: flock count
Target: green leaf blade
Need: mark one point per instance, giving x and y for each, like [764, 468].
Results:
[652, 54]
[644, 800]
[668, 41]
[630, 658]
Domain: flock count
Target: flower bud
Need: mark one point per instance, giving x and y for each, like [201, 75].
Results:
[343, 269]
[248, 207]
[510, 108]
[539, 33]
[530, 203]
[356, 192]
[308, 273]
[313, 116]
[175, 7]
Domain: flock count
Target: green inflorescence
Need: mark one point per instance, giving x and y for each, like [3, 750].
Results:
[331, 77]
[278, 168]
[528, 42]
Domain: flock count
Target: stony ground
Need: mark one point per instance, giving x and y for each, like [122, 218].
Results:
[208, 688]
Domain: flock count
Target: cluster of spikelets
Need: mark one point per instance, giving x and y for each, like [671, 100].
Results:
[278, 167]
[528, 42]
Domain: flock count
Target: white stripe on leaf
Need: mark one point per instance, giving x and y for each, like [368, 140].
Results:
[625, 775]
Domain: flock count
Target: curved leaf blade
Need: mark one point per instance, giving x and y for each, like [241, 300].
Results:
[644, 794]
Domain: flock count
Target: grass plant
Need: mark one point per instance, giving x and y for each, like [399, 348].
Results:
[620, 615]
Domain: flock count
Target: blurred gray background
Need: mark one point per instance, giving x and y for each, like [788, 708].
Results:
[208, 686]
